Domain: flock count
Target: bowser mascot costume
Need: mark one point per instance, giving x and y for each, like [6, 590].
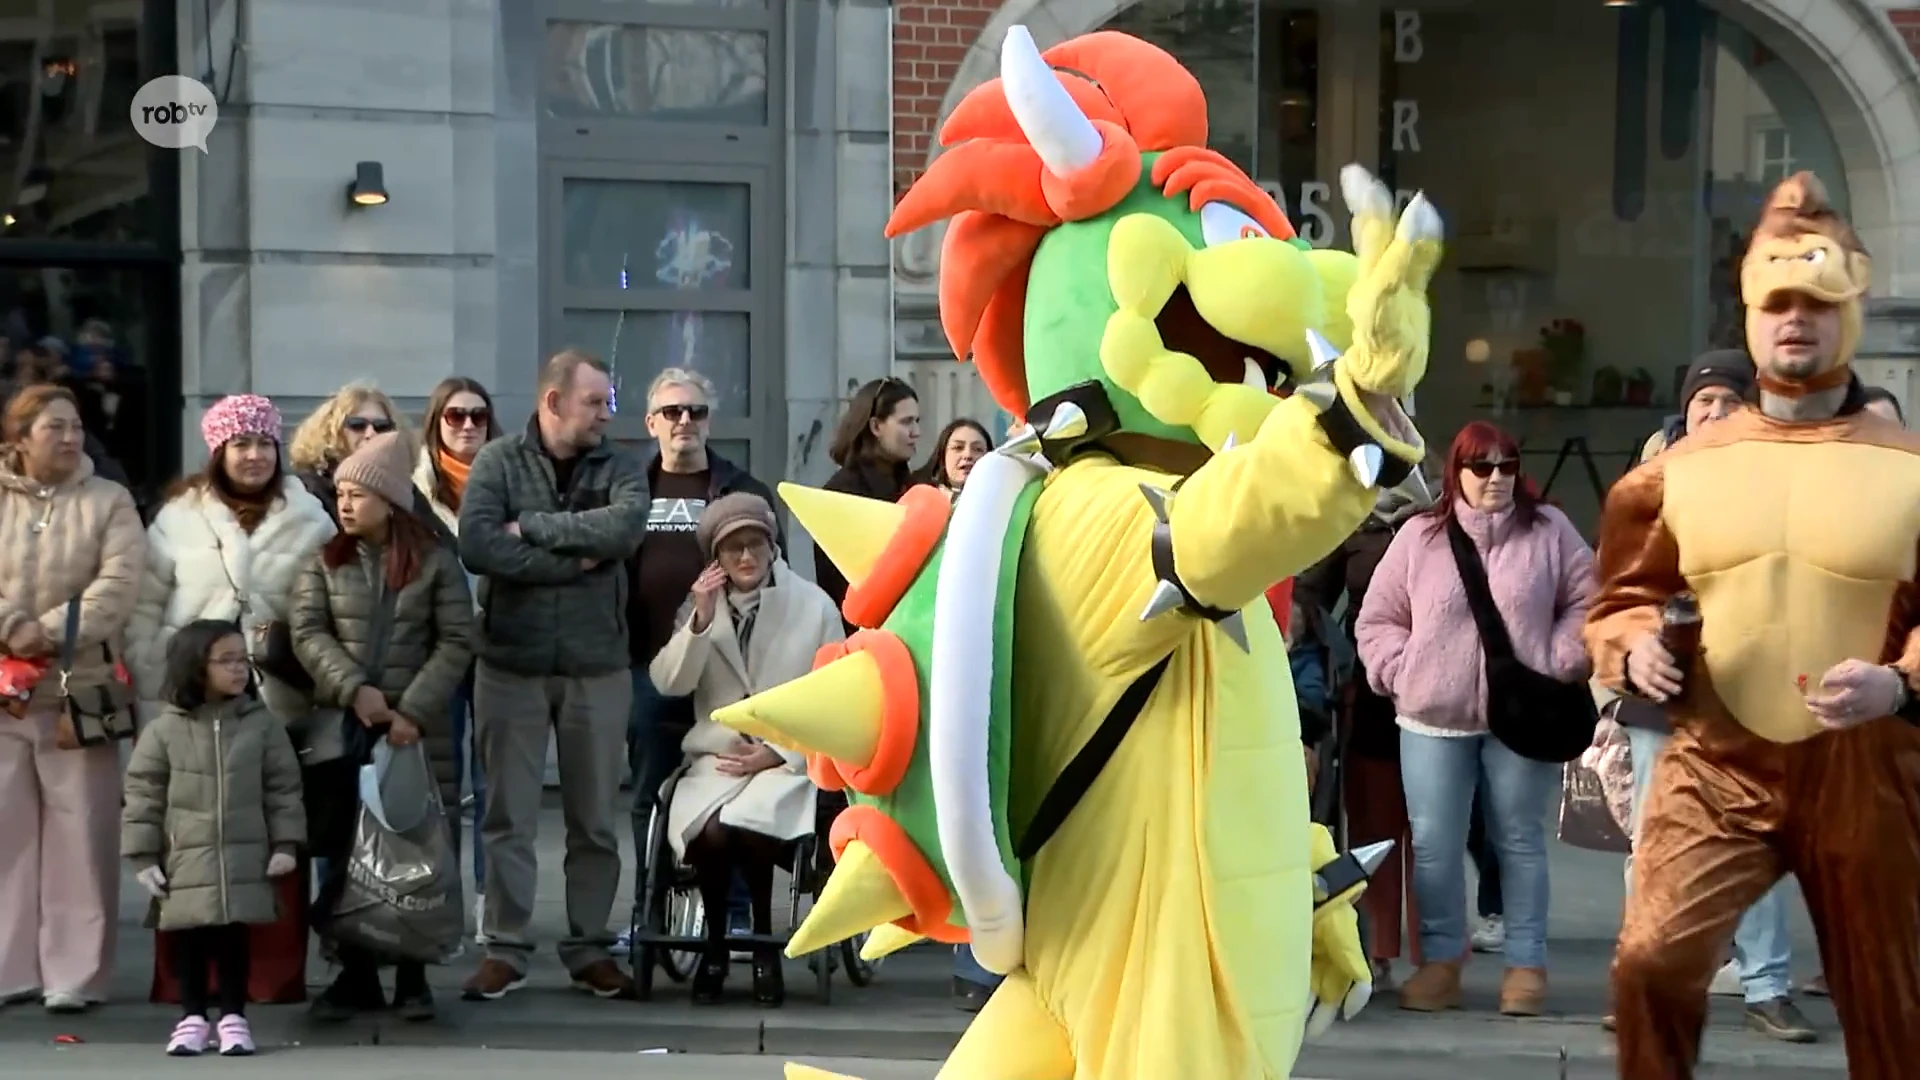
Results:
[1797, 524]
[1068, 731]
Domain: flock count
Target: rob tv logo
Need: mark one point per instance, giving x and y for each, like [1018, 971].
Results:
[175, 112]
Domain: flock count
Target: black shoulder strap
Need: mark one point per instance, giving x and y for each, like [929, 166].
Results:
[1074, 781]
[70, 638]
[1473, 575]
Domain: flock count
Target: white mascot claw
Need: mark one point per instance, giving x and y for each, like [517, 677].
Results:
[1321, 1017]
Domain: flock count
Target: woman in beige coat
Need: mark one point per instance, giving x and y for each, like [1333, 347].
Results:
[69, 537]
[750, 625]
[384, 578]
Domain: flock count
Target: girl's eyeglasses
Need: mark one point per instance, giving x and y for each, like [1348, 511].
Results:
[1484, 469]
[476, 417]
[359, 424]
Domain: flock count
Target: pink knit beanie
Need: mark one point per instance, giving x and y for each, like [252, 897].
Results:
[236, 415]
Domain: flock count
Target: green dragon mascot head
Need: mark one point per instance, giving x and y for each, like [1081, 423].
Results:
[1095, 238]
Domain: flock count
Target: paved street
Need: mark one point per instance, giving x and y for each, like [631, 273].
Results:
[906, 1014]
[398, 1063]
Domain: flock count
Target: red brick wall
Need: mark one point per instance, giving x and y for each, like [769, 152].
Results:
[1906, 22]
[929, 39]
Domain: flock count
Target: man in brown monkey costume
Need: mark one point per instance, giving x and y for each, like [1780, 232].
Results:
[1795, 750]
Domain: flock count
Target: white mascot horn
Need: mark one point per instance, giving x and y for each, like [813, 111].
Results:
[1060, 133]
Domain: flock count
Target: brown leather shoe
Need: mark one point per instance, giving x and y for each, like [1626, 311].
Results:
[1523, 991]
[493, 980]
[1433, 988]
[603, 979]
[1778, 1019]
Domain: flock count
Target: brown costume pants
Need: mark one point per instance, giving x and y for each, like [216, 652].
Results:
[1730, 813]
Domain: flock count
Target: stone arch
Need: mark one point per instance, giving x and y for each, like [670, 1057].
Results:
[1848, 53]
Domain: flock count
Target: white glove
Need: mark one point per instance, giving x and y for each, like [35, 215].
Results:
[280, 865]
[154, 880]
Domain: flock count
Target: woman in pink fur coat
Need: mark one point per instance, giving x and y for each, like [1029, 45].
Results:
[1417, 639]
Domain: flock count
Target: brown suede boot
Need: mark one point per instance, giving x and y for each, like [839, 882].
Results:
[1433, 988]
[1523, 992]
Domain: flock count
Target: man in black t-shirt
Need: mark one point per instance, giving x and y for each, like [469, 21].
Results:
[684, 476]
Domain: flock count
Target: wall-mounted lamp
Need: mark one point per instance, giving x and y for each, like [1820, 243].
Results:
[1478, 351]
[369, 187]
[1620, 3]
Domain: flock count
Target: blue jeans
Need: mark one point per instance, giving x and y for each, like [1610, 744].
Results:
[466, 767]
[1439, 775]
[1760, 943]
[966, 967]
[654, 730]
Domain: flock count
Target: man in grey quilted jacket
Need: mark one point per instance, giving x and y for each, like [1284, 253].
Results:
[548, 521]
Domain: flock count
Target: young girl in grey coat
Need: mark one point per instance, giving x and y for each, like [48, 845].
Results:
[213, 815]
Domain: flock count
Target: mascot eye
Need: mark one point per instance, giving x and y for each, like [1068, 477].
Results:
[1816, 256]
[1223, 224]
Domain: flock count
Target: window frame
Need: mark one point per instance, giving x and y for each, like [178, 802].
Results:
[758, 302]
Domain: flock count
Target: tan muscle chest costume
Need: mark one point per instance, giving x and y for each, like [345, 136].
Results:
[1801, 539]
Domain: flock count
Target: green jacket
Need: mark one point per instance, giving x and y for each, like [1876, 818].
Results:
[541, 613]
[210, 796]
[429, 647]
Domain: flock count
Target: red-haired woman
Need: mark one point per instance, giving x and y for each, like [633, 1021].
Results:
[1417, 638]
[386, 577]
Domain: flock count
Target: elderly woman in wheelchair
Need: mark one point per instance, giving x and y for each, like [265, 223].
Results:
[749, 625]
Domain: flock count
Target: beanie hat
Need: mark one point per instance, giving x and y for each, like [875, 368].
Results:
[239, 414]
[1729, 368]
[383, 466]
[727, 515]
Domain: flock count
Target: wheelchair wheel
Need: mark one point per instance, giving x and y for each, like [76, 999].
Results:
[684, 918]
[859, 971]
[668, 909]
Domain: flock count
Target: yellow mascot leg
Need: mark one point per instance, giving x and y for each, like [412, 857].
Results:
[1013, 1038]
[808, 1072]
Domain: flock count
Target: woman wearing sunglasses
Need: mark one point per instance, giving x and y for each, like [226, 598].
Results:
[355, 413]
[1417, 638]
[459, 421]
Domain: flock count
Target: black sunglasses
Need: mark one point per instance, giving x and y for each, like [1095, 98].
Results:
[474, 417]
[1484, 469]
[677, 413]
[358, 424]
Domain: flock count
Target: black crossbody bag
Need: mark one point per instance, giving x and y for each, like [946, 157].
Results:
[1535, 715]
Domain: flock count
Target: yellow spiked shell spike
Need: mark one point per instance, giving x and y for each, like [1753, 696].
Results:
[837, 710]
[887, 939]
[851, 529]
[859, 896]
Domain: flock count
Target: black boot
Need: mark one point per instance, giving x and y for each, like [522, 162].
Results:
[355, 990]
[769, 982]
[710, 981]
[411, 998]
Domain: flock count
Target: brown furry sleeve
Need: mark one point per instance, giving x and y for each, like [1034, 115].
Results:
[1638, 564]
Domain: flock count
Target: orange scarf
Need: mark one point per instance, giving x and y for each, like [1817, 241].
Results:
[453, 472]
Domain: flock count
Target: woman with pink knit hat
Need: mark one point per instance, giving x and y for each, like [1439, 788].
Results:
[227, 544]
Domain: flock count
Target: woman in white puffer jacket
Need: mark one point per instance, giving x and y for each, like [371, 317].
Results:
[228, 544]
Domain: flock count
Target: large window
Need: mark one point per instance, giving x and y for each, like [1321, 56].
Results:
[1599, 168]
[89, 227]
[661, 130]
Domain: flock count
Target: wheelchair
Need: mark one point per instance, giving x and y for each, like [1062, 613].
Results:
[668, 925]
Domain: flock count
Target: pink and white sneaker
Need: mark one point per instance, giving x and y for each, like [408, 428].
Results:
[236, 1037]
[190, 1037]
